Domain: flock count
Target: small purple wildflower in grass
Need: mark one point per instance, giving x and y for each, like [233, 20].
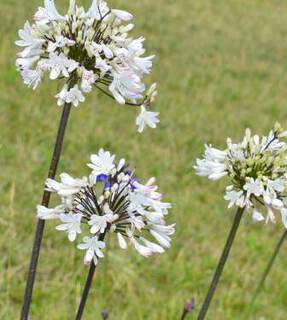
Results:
[188, 308]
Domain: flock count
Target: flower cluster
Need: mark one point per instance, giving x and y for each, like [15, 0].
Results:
[88, 49]
[257, 170]
[110, 200]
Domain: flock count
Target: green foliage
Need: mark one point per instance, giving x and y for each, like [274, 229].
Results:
[221, 66]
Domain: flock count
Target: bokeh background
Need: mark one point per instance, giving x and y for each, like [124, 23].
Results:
[221, 67]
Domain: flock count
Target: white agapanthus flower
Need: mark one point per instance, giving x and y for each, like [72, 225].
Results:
[257, 169]
[71, 224]
[148, 118]
[102, 163]
[111, 200]
[93, 247]
[88, 50]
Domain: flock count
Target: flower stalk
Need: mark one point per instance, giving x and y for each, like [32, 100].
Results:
[88, 285]
[110, 200]
[41, 223]
[221, 264]
[88, 49]
[267, 270]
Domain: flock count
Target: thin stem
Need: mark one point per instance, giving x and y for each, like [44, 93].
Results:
[86, 291]
[88, 284]
[267, 270]
[184, 314]
[221, 264]
[111, 96]
[41, 223]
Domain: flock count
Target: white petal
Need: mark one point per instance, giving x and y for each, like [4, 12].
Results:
[257, 216]
[62, 227]
[123, 15]
[284, 217]
[89, 256]
[72, 236]
[95, 228]
[163, 241]
[122, 241]
[99, 253]
[82, 246]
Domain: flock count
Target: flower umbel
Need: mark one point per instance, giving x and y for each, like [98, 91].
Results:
[111, 200]
[87, 49]
[256, 168]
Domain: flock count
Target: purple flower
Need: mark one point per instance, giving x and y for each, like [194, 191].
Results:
[102, 178]
[132, 180]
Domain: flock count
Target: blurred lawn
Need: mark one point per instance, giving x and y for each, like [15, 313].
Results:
[221, 66]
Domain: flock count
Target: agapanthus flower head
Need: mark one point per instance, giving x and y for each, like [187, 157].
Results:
[256, 168]
[88, 49]
[110, 201]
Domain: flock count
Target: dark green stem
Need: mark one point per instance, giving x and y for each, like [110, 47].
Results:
[267, 270]
[88, 284]
[221, 264]
[41, 223]
[184, 314]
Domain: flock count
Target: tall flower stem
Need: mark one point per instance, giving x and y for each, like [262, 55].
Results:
[184, 315]
[41, 223]
[88, 284]
[267, 270]
[221, 264]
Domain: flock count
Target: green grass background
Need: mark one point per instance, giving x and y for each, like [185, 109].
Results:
[221, 66]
